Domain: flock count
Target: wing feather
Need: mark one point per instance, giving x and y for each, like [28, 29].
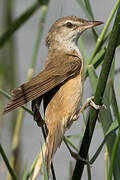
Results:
[42, 83]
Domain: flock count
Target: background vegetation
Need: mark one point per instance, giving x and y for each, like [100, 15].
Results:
[103, 58]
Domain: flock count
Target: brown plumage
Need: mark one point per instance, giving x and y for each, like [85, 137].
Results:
[59, 84]
[50, 77]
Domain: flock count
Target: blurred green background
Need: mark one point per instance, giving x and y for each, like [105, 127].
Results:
[23, 28]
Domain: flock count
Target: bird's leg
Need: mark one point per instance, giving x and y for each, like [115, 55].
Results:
[38, 118]
[88, 102]
[35, 108]
[75, 155]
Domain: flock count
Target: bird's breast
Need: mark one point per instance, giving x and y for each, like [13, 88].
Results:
[72, 92]
[64, 103]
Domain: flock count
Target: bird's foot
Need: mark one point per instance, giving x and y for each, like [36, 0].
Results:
[88, 102]
[78, 157]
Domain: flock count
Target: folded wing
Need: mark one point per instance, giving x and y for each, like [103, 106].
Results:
[46, 80]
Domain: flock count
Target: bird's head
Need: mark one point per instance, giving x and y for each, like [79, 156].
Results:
[68, 29]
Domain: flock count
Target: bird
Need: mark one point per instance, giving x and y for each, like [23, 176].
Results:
[59, 84]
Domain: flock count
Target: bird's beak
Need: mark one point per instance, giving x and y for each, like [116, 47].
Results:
[90, 24]
[94, 23]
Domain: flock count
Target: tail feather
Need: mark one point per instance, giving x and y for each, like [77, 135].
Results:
[48, 150]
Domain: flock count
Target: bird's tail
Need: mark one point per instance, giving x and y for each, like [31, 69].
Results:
[47, 152]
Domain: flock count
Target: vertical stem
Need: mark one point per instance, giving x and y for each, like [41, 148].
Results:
[108, 59]
[88, 169]
[20, 115]
[117, 140]
[19, 22]
[106, 162]
[1, 99]
[100, 39]
[7, 163]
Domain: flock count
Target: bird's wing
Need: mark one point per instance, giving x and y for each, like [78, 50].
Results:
[50, 77]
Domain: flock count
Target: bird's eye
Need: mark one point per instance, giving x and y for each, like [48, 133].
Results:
[69, 24]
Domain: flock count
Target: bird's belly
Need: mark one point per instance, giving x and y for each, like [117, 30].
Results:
[72, 91]
[64, 103]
